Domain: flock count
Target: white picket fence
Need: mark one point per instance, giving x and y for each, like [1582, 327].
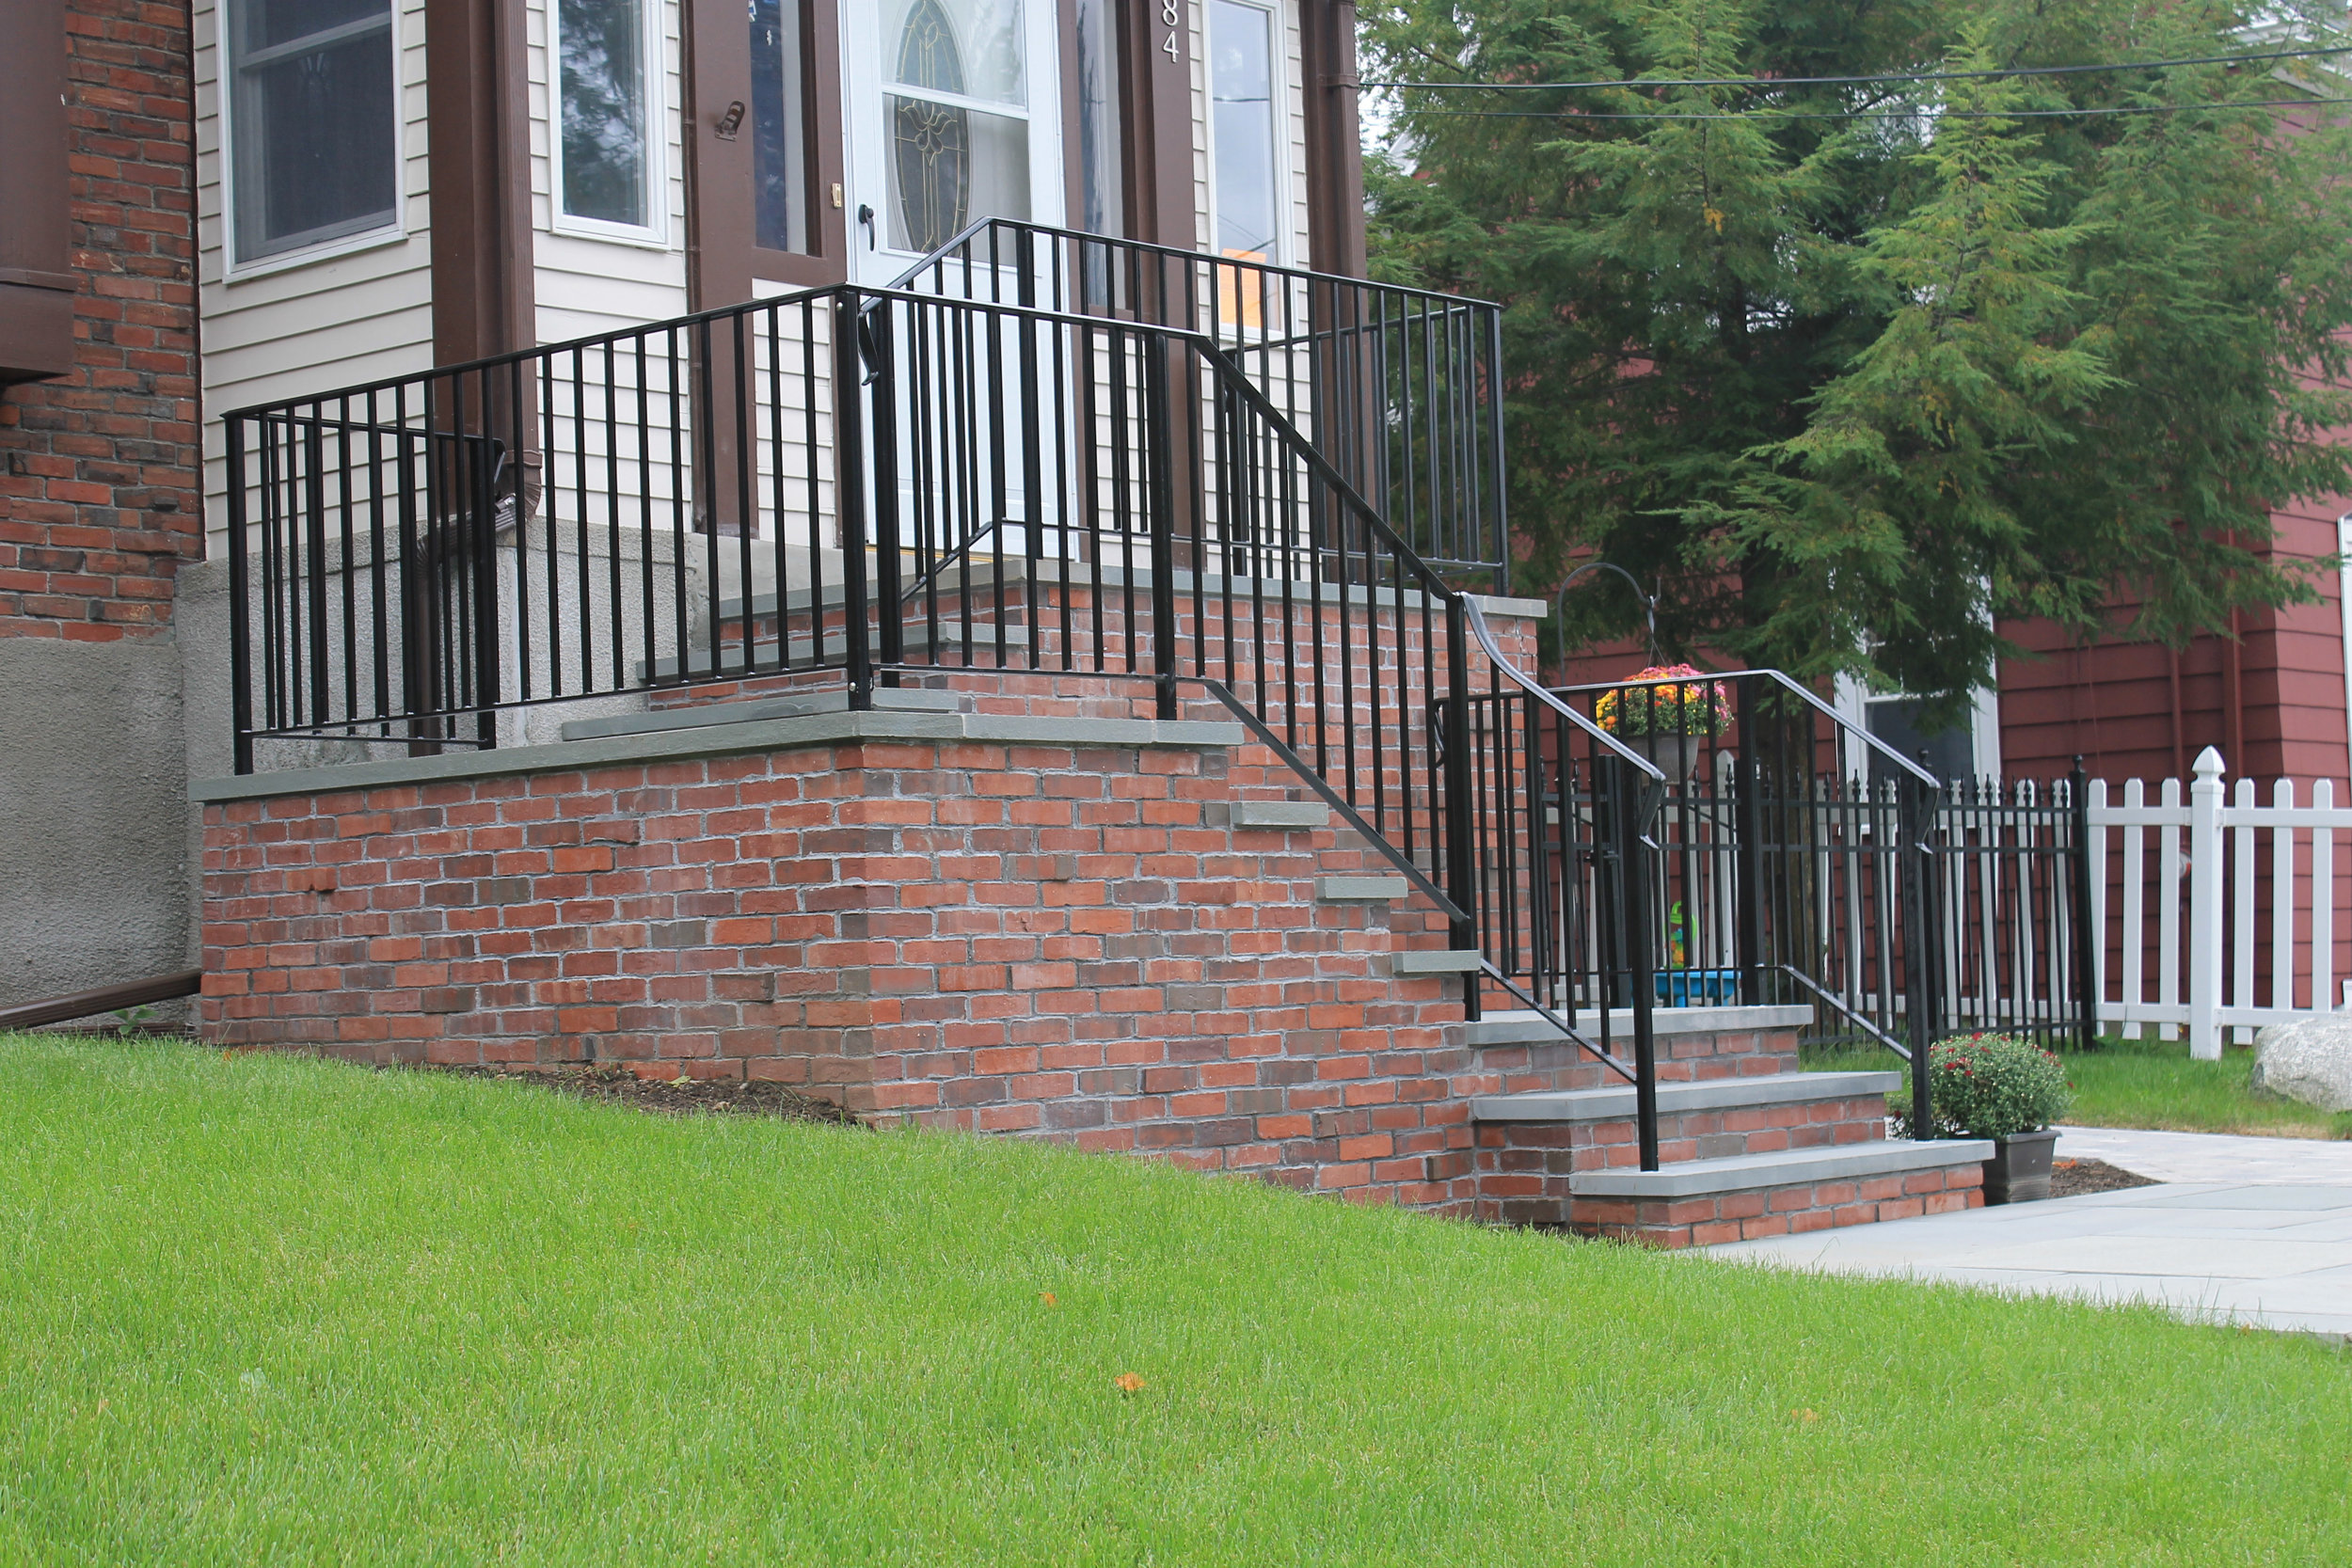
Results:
[2197, 862]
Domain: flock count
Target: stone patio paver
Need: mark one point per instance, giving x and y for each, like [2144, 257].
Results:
[2245, 1230]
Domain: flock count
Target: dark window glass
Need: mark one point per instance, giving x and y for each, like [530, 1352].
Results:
[604, 123]
[1949, 753]
[779, 127]
[314, 150]
[1240, 107]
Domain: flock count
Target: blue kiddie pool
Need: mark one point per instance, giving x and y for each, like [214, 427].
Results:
[1698, 988]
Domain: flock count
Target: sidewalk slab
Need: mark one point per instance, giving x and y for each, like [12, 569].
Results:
[2251, 1250]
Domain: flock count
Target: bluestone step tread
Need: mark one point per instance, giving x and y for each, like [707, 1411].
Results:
[1794, 1167]
[1616, 1102]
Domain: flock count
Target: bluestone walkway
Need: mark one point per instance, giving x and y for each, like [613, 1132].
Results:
[2244, 1230]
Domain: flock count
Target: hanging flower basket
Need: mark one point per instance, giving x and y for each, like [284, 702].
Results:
[1663, 712]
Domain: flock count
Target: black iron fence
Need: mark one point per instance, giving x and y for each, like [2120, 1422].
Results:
[1791, 857]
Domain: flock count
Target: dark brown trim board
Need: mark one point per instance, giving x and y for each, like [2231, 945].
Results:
[723, 256]
[1158, 146]
[476, 105]
[37, 282]
[1335, 156]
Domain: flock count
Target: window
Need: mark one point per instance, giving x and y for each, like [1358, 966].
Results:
[1245, 189]
[606, 58]
[313, 127]
[780, 178]
[958, 114]
[1102, 197]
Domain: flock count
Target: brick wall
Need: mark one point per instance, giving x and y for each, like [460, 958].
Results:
[1061, 941]
[99, 468]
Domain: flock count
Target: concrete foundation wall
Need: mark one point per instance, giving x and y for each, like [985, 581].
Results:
[95, 823]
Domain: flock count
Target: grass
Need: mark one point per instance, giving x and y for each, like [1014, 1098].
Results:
[2153, 1083]
[274, 1310]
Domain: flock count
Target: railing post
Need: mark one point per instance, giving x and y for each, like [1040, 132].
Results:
[2205, 908]
[487, 630]
[1923, 945]
[239, 611]
[1461, 879]
[1635, 872]
[1163, 493]
[1748, 826]
[2087, 939]
[849, 477]
[891, 622]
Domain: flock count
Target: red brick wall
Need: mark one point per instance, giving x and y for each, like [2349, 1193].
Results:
[1064, 941]
[99, 468]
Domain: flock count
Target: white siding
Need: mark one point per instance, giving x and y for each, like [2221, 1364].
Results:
[585, 285]
[290, 327]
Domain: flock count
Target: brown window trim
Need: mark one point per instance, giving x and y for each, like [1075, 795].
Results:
[37, 282]
[721, 260]
[1156, 93]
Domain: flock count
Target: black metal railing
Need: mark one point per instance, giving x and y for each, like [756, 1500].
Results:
[1398, 389]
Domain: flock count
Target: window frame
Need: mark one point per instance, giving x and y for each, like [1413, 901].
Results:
[229, 76]
[1279, 88]
[654, 43]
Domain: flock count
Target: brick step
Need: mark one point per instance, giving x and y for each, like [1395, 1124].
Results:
[1532, 1145]
[746, 710]
[1681, 1099]
[1693, 1044]
[1700, 1202]
[801, 650]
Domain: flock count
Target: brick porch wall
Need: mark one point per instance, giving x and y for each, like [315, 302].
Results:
[1064, 941]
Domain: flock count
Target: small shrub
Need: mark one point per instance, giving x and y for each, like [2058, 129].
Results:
[1991, 1086]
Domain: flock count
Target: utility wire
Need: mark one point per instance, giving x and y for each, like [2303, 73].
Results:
[1768, 82]
[1573, 114]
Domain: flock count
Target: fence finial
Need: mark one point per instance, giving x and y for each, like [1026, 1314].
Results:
[2209, 763]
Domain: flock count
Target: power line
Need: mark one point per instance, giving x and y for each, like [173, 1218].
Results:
[1766, 82]
[1573, 114]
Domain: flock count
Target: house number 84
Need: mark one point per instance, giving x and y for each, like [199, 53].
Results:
[1174, 18]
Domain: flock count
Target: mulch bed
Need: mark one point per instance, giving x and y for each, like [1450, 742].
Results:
[675, 1096]
[2073, 1178]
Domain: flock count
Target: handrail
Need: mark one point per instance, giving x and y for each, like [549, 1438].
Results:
[1876, 746]
[1535, 689]
[978, 226]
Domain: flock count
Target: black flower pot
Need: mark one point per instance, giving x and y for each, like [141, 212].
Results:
[2019, 1171]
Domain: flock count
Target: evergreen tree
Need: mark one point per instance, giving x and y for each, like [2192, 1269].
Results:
[1856, 366]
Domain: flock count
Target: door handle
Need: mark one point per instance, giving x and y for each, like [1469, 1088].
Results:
[866, 217]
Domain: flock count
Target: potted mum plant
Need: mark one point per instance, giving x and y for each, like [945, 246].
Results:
[1663, 712]
[2006, 1089]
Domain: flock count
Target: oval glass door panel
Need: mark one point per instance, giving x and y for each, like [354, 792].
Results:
[956, 108]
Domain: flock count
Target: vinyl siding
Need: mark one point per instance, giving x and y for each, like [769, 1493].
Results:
[290, 327]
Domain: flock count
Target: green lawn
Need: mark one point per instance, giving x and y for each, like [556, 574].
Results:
[2153, 1083]
[279, 1311]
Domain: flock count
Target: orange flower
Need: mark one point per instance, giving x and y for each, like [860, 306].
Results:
[1127, 1383]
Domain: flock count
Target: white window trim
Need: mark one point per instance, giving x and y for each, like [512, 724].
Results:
[1278, 110]
[394, 232]
[653, 236]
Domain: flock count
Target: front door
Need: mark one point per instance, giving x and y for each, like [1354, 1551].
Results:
[953, 114]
